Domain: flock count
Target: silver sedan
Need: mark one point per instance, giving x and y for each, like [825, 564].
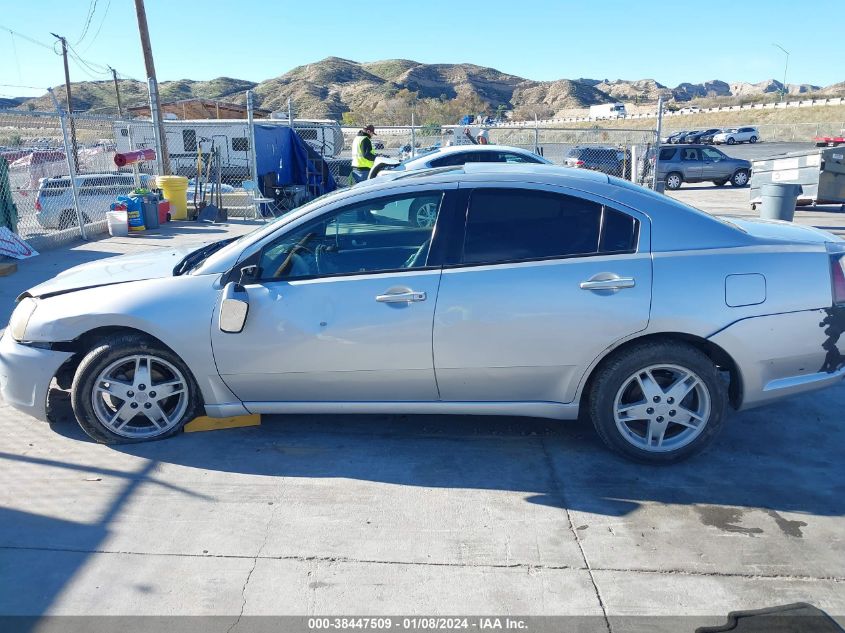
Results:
[536, 291]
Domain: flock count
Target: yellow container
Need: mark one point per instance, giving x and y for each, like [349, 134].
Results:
[175, 189]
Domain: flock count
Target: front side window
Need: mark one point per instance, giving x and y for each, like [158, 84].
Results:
[712, 154]
[511, 157]
[385, 234]
[518, 224]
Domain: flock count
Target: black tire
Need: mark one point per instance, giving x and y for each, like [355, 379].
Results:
[613, 374]
[731, 140]
[753, 139]
[109, 351]
[674, 180]
[67, 219]
[720, 183]
[740, 178]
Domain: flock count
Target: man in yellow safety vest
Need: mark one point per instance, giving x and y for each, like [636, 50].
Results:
[362, 154]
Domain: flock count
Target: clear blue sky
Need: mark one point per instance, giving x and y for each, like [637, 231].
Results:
[667, 40]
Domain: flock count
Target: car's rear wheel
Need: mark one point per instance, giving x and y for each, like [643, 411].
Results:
[674, 180]
[68, 219]
[740, 178]
[130, 389]
[753, 139]
[720, 183]
[658, 402]
[731, 140]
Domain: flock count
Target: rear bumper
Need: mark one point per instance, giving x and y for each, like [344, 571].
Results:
[25, 375]
[784, 355]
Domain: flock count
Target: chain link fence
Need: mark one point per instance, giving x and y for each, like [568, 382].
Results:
[48, 208]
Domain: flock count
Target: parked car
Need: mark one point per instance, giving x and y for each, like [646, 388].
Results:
[707, 137]
[458, 155]
[538, 291]
[608, 160]
[673, 138]
[54, 207]
[737, 135]
[697, 135]
[700, 163]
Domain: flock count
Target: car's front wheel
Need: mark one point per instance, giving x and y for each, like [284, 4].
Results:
[423, 213]
[130, 389]
[740, 178]
[753, 139]
[658, 402]
[731, 140]
[674, 180]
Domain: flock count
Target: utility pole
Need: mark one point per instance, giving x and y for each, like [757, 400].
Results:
[117, 92]
[155, 103]
[69, 106]
[785, 67]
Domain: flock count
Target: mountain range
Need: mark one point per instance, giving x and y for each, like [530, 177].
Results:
[334, 86]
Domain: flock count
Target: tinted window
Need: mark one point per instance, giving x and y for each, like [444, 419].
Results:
[189, 140]
[510, 157]
[690, 153]
[383, 234]
[240, 144]
[667, 153]
[460, 158]
[618, 232]
[509, 224]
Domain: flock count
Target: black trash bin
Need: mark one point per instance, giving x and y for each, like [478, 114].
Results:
[778, 200]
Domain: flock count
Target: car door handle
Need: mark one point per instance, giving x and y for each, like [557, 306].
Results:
[401, 297]
[613, 283]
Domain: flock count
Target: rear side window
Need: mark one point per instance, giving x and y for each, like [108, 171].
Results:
[513, 224]
[667, 153]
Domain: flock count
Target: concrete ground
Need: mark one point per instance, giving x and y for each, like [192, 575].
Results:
[419, 514]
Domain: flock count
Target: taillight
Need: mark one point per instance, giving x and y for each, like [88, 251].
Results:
[579, 163]
[837, 265]
[37, 204]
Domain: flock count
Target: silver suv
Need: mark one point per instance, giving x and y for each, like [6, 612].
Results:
[54, 204]
[678, 164]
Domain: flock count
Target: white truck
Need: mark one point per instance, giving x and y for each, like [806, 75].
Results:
[607, 111]
[186, 138]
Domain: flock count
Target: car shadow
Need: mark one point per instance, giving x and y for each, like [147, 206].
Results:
[782, 458]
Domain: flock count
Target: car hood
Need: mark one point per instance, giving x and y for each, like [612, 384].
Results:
[113, 270]
[774, 230]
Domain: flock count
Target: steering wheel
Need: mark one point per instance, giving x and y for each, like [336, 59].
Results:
[294, 252]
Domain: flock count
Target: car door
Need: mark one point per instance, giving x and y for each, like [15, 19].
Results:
[691, 164]
[714, 165]
[342, 310]
[545, 279]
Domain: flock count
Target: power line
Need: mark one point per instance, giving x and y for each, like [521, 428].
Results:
[99, 28]
[15, 51]
[28, 39]
[92, 8]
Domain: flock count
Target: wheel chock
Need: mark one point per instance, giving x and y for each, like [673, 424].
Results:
[205, 423]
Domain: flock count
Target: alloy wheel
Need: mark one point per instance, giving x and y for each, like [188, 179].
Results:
[662, 408]
[140, 397]
[427, 215]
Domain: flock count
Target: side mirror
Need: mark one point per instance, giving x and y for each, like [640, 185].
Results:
[234, 308]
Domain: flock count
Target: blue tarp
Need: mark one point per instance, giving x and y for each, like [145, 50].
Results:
[279, 149]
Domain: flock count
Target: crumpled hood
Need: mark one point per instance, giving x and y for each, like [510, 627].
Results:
[114, 270]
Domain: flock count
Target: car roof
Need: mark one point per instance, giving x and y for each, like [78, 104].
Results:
[453, 149]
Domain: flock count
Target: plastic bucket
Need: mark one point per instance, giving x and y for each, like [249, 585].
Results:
[118, 222]
[175, 189]
[136, 221]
